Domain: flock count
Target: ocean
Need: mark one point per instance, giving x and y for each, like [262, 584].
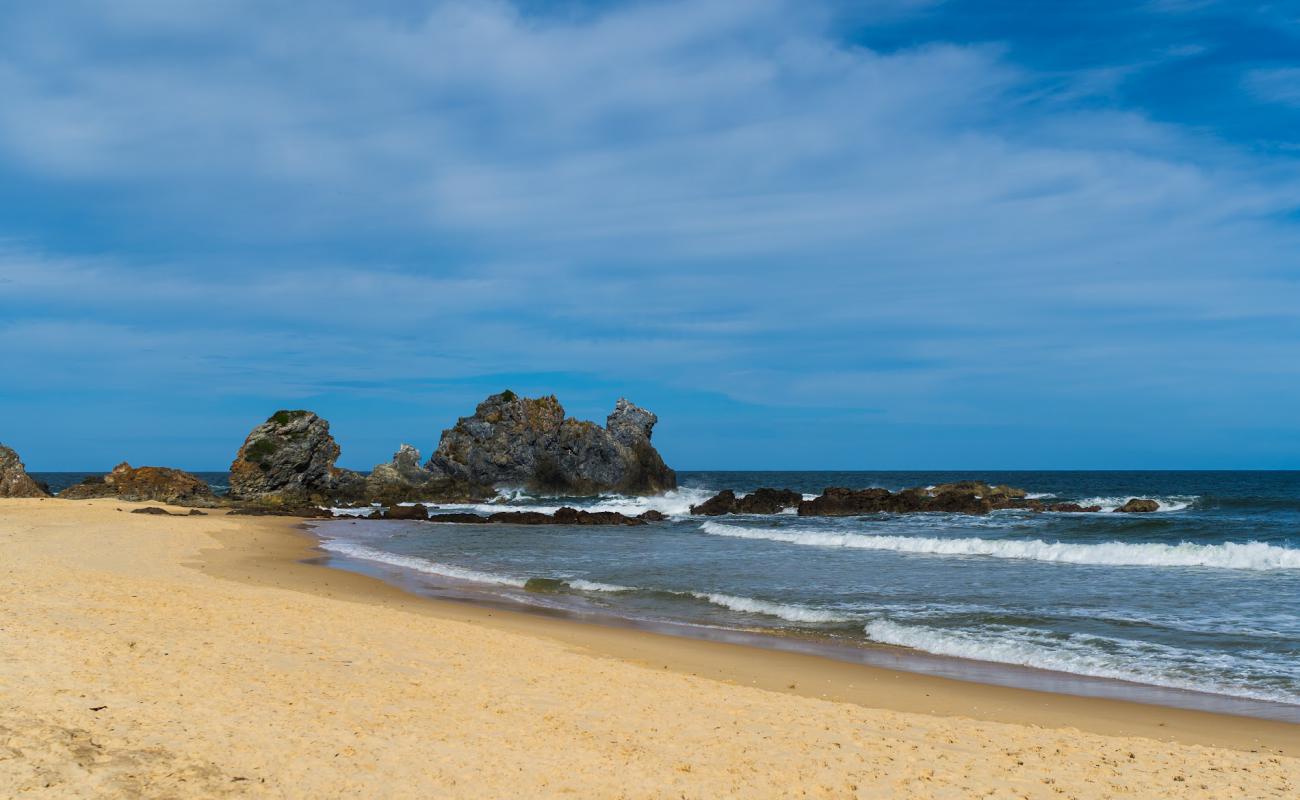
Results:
[1199, 598]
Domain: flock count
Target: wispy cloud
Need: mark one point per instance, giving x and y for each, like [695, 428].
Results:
[725, 198]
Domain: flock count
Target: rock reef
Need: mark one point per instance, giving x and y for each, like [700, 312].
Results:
[517, 441]
[963, 497]
[562, 516]
[14, 480]
[145, 484]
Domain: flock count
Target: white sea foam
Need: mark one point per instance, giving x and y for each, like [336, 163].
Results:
[749, 605]
[674, 503]
[1249, 556]
[354, 550]
[1099, 657]
[1040, 496]
[1172, 503]
[596, 586]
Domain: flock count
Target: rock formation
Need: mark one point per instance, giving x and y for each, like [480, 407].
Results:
[759, 501]
[145, 484]
[403, 480]
[1138, 506]
[14, 480]
[517, 441]
[290, 459]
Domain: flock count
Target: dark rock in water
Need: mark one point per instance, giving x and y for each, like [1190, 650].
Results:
[767, 501]
[548, 585]
[306, 512]
[652, 516]
[1138, 506]
[573, 516]
[290, 459]
[407, 512]
[458, 517]
[958, 502]
[965, 497]
[152, 510]
[1073, 508]
[516, 441]
[724, 502]
[14, 480]
[145, 484]
[522, 518]
[839, 502]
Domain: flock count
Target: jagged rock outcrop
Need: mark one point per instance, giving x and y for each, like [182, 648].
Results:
[1138, 506]
[562, 516]
[966, 497]
[759, 501]
[146, 485]
[516, 441]
[290, 459]
[403, 480]
[14, 480]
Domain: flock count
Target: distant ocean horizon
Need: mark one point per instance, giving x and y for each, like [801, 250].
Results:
[1202, 595]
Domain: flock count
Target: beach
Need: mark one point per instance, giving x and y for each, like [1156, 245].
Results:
[158, 656]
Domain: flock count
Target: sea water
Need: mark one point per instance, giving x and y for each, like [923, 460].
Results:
[1202, 595]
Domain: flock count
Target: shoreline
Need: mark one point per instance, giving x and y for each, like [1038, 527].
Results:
[800, 673]
[175, 657]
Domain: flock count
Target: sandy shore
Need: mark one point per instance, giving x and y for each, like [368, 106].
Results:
[198, 657]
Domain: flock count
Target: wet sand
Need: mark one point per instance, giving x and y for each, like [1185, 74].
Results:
[200, 656]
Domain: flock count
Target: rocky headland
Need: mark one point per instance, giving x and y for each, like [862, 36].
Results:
[14, 480]
[145, 484]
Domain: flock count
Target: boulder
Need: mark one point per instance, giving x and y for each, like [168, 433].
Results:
[145, 484]
[724, 502]
[14, 480]
[290, 459]
[1138, 506]
[517, 441]
[406, 512]
[767, 501]
[652, 516]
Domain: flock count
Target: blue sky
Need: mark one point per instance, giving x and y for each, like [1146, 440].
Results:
[889, 234]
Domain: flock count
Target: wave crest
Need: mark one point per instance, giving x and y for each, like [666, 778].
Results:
[1256, 556]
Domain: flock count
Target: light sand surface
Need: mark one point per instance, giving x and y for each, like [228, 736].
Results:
[197, 657]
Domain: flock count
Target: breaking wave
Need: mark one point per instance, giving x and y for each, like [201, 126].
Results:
[353, 550]
[785, 611]
[1098, 657]
[1249, 556]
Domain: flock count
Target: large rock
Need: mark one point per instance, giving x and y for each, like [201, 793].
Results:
[290, 458]
[1138, 506]
[14, 480]
[966, 497]
[759, 501]
[517, 441]
[145, 485]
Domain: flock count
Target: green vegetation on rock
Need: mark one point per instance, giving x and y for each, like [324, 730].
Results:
[285, 417]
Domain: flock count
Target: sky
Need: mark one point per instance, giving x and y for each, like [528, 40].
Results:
[892, 234]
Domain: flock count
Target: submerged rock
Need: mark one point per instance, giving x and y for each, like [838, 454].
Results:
[290, 459]
[459, 517]
[545, 585]
[1073, 508]
[1138, 506]
[145, 484]
[517, 441]
[965, 497]
[14, 480]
